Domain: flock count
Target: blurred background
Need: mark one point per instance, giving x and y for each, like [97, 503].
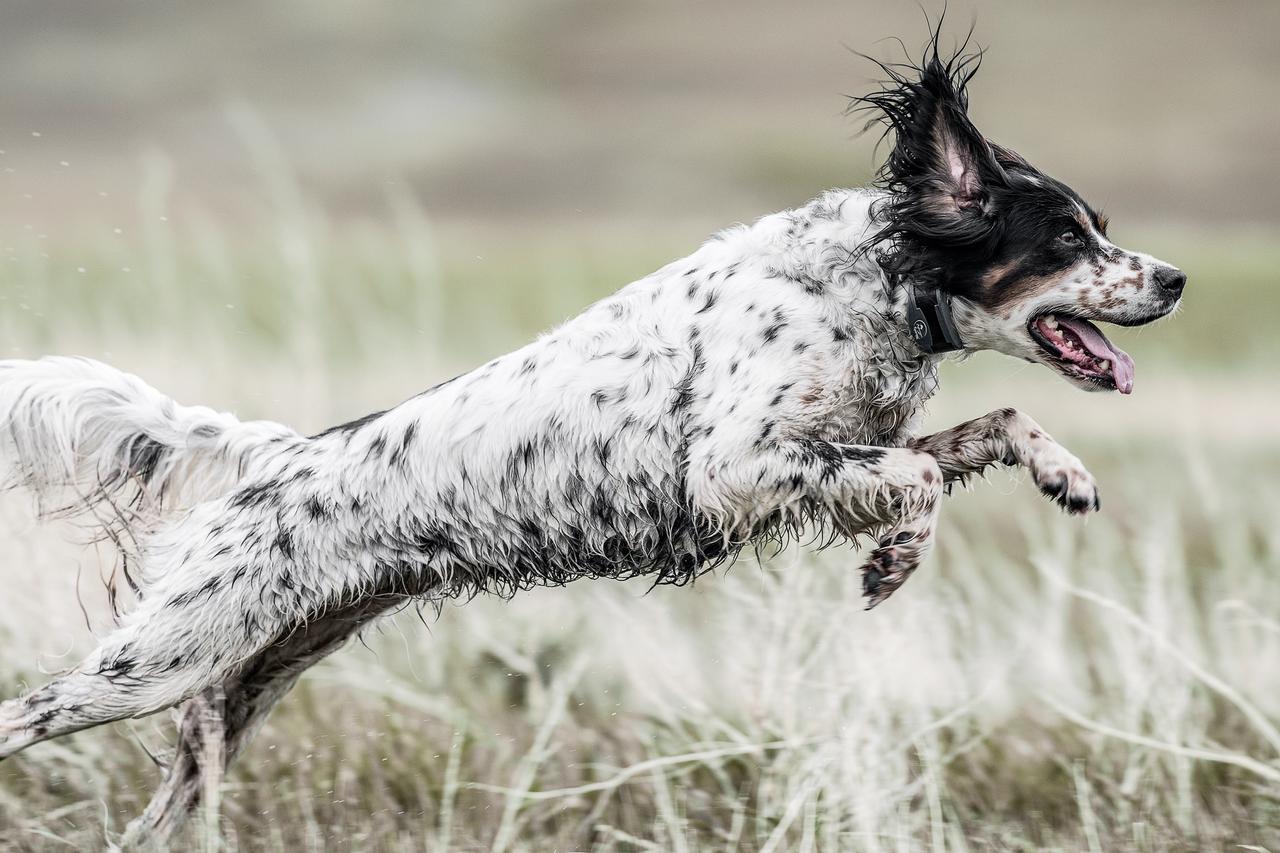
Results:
[305, 211]
[577, 113]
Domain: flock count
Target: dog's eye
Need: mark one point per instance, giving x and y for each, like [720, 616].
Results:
[1069, 238]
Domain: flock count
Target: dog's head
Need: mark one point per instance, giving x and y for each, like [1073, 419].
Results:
[1024, 261]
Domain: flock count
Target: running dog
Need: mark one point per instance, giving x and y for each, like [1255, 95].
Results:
[768, 385]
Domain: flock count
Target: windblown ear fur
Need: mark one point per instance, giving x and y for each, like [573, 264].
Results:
[1011, 160]
[941, 171]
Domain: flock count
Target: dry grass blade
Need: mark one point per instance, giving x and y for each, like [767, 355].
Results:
[1201, 674]
[527, 768]
[1265, 771]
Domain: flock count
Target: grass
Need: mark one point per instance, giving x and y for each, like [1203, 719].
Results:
[1040, 684]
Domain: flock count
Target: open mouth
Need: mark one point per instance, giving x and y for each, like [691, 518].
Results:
[1077, 349]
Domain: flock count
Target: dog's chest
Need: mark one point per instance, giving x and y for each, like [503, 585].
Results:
[870, 385]
[874, 403]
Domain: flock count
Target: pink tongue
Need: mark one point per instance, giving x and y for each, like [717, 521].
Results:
[1100, 347]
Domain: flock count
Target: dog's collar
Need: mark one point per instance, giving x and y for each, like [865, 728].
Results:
[929, 319]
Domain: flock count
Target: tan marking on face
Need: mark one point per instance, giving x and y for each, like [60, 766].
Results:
[993, 275]
[1013, 293]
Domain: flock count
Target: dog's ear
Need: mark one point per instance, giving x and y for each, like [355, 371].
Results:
[941, 170]
[944, 158]
[1008, 159]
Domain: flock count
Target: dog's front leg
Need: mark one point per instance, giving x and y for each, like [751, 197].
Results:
[860, 489]
[1008, 437]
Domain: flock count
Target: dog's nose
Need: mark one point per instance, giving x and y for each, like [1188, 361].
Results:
[1171, 279]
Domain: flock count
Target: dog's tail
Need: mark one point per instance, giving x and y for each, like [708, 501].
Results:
[94, 442]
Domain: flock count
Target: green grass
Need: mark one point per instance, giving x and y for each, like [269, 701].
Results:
[1042, 683]
[348, 290]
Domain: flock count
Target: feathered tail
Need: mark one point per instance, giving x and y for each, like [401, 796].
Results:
[93, 442]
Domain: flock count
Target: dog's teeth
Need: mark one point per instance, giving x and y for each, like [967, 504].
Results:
[1051, 323]
[1104, 364]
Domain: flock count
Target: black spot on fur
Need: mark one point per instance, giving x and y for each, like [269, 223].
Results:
[400, 454]
[782, 391]
[209, 587]
[145, 455]
[603, 449]
[862, 455]
[316, 509]
[351, 426]
[284, 543]
[256, 494]
[764, 434]
[683, 396]
[830, 459]
[811, 286]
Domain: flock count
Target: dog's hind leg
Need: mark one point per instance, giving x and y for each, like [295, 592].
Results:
[165, 652]
[95, 692]
[197, 625]
[217, 724]
[119, 679]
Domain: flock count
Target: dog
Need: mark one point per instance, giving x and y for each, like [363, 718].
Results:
[768, 386]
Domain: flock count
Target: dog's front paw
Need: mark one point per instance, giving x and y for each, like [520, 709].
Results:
[1063, 478]
[892, 563]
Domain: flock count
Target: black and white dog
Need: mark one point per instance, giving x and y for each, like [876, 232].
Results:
[770, 383]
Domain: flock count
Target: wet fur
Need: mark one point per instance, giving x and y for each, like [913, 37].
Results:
[763, 388]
